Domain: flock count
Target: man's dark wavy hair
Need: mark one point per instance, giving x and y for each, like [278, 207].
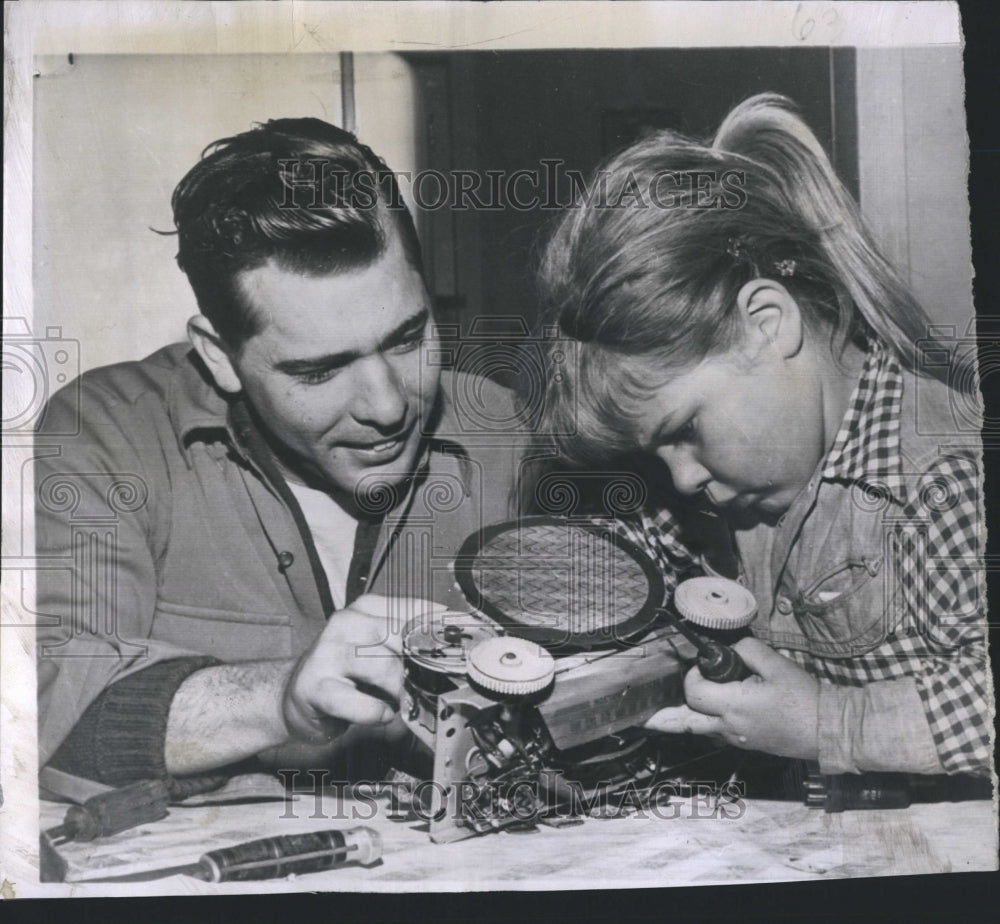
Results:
[300, 192]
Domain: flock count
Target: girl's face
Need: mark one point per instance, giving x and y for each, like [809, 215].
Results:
[745, 432]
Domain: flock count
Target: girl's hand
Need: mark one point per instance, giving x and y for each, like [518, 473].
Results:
[774, 711]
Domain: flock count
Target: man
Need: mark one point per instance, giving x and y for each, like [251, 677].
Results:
[245, 522]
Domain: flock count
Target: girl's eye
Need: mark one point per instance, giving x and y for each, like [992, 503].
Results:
[685, 434]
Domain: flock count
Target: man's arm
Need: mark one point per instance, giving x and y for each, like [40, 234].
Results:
[222, 714]
[96, 600]
[352, 674]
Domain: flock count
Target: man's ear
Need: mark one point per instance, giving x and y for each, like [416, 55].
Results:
[213, 353]
[771, 316]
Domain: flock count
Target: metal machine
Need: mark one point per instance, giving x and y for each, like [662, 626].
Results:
[533, 702]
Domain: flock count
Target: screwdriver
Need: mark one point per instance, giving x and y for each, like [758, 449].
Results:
[717, 662]
[276, 857]
[113, 811]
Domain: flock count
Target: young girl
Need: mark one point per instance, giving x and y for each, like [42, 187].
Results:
[734, 319]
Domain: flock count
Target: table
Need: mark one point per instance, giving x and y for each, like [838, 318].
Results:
[690, 844]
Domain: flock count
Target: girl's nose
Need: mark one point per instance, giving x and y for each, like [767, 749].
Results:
[687, 474]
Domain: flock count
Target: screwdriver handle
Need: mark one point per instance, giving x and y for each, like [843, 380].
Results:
[277, 857]
[720, 664]
[113, 811]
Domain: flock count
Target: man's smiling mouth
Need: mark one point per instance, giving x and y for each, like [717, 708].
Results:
[381, 447]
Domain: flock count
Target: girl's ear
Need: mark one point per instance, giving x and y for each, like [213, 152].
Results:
[213, 353]
[771, 316]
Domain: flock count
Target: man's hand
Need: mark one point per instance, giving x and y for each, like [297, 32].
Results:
[775, 710]
[353, 673]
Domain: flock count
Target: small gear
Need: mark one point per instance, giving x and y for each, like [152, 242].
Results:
[512, 666]
[715, 603]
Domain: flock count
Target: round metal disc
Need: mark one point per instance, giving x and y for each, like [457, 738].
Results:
[443, 644]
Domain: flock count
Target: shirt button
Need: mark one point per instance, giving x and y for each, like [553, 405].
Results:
[285, 560]
[784, 605]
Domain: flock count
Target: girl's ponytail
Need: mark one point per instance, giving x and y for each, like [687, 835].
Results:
[766, 130]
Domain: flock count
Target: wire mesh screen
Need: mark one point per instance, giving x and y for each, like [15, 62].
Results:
[559, 582]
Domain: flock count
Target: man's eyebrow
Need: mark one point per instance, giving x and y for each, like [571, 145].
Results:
[336, 360]
[404, 331]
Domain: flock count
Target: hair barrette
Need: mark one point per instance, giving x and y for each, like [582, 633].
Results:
[741, 252]
[736, 247]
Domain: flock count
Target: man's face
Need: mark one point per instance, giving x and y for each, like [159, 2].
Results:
[335, 372]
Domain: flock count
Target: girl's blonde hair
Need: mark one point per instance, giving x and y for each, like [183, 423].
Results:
[651, 269]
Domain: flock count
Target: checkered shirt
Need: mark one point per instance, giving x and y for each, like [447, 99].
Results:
[940, 637]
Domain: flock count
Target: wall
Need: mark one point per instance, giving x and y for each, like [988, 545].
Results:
[891, 118]
[385, 95]
[510, 110]
[114, 134]
[913, 171]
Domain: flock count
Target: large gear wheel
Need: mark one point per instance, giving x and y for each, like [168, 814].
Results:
[511, 666]
[715, 603]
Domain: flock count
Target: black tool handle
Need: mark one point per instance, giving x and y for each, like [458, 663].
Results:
[276, 857]
[114, 811]
[852, 791]
[720, 664]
